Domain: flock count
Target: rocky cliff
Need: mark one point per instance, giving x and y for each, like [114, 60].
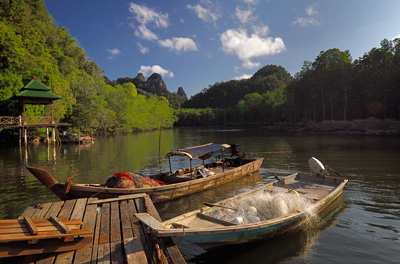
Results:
[154, 85]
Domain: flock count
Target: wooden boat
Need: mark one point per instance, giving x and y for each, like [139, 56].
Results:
[204, 228]
[177, 183]
[28, 236]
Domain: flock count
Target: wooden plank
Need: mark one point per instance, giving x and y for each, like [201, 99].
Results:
[149, 221]
[60, 224]
[134, 251]
[54, 209]
[67, 208]
[121, 198]
[89, 221]
[41, 212]
[44, 235]
[46, 258]
[104, 254]
[17, 223]
[96, 239]
[43, 247]
[75, 210]
[45, 228]
[65, 257]
[142, 247]
[116, 252]
[166, 242]
[105, 224]
[115, 224]
[79, 209]
[32, 228]
[147, 245]
[125, 220]
[29, 211]
[133, 247]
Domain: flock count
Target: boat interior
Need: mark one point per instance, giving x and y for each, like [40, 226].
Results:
[196, 172]
[311, 188]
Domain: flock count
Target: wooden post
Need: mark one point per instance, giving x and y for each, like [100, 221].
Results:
[53, 135]
[26, 136]
[47, 135]
[24, 113]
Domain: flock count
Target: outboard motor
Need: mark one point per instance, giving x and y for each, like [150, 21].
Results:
[316, 167]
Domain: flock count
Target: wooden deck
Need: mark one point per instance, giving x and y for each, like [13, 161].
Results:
[118, 237]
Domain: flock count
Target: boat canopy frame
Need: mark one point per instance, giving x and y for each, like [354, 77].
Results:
[197, 152]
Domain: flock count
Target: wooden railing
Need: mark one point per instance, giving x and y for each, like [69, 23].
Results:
[10, 120]
[19, 120]
[30, 120]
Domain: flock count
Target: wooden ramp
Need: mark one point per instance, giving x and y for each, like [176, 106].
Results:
[118, 236]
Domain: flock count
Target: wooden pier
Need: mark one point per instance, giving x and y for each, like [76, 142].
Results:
[118, 236]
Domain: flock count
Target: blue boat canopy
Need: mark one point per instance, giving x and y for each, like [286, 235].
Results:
[198, 151]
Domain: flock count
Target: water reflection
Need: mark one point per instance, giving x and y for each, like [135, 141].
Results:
[368, 231]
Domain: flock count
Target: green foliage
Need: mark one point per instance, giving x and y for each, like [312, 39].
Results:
[228, 94]
[32, 45]
[333, 87]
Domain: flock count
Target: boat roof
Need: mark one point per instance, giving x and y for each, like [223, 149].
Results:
[197, 151]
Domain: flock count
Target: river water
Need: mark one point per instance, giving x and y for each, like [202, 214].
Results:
[362, 227]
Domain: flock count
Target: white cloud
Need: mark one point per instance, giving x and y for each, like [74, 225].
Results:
[306, 21]
[244, 76]
[182, 21]
[245, 16]
[142, 48]
[245, 47]
[143, 32]
[179, 44]
[145, 15]
[261, 30]
[398, 37]
[206, 11]
[148, 70]
[252, 2]
[311, 10]
[113, 52]
[250, 65]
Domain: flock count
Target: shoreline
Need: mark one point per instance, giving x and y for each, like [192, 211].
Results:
[351, 128]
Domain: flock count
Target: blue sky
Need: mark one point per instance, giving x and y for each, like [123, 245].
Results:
[194, 44]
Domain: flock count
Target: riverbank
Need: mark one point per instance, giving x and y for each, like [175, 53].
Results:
[354, 128]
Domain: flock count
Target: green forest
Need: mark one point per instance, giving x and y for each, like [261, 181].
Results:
[33, 46]
[333, 87]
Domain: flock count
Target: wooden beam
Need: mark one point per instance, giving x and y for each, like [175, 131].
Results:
[32, 228]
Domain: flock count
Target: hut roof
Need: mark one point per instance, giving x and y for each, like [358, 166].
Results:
[35, 92]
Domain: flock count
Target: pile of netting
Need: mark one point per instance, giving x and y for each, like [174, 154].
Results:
[263, 206]
[126, 180]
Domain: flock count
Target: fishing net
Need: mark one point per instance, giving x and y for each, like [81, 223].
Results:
[263, 206]
[131, 180]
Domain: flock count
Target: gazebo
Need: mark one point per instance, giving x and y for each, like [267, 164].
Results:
[36, 93]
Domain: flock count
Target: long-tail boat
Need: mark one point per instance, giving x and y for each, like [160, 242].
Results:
[178, 183]
[253, 215]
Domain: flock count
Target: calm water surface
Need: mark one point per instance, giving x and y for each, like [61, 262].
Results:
[361, 227]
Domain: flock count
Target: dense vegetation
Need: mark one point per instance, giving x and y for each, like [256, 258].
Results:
[333, 87]
[32, 45]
